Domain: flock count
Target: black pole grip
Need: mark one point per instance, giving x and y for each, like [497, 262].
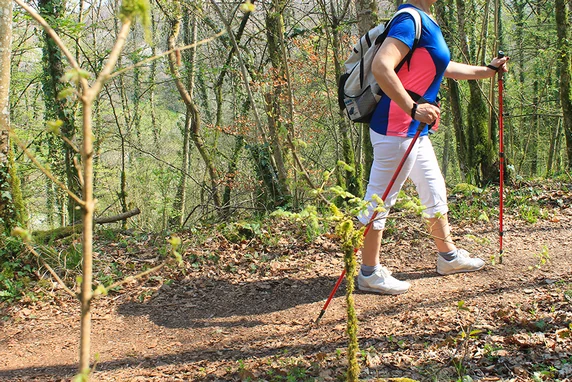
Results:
[501, 54]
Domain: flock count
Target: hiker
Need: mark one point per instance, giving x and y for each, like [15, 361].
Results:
[393, 124]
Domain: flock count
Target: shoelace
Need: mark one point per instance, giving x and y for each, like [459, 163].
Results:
[462, 253]
[384, 272]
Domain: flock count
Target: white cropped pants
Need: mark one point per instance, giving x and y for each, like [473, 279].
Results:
[421, 167]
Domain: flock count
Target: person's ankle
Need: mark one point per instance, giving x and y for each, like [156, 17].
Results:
[368, 270]
[450, 255]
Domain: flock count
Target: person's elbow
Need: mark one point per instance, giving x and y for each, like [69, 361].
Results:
[380, 70]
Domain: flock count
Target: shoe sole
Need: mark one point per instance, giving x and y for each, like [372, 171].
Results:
[392, 293]
[463, 271]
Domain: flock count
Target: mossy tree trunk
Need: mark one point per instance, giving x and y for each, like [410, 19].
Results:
[367, 18]
[335, 14]
[479, 157]
[278, 119]
[60, 154]
[445, 15]
[7, 210]
[563, 31]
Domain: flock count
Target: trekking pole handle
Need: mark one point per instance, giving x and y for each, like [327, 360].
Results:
[501, 54]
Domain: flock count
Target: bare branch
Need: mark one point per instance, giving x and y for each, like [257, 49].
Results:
[138, 276]
[52, 272]
[111, 61]
[156, 57]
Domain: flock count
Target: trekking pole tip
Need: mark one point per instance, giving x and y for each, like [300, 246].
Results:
[317, 322]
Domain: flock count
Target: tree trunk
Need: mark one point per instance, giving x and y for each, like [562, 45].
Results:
[562, 29]
[7, 210]
[190, 56]
[445, 17]
[152, 75]
[366, 12]
[552, 149]
[480, 153]
[352, 183]
[278, 121]
[231, 174]
[57, 109]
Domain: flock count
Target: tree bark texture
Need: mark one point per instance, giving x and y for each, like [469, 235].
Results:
[61, 155]
[563, 32]
[352, 183]
[277, 118]
[479, 157]
[7, 211]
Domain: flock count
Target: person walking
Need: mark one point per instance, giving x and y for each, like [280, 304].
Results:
[392, 127]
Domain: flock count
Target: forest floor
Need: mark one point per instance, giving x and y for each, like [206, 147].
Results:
[245, 310]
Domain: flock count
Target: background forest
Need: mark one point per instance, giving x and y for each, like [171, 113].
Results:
[212, 133]
[197, 120]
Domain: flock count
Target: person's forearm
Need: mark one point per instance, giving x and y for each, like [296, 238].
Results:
[458, 71]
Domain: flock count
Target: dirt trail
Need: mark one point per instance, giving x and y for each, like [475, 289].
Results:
[220, 325]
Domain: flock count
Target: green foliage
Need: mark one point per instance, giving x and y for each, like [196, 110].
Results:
[466, 189]
[241, 231]
[74, 76]
[247, 7]
[15, 273]
[175, 243]
[351, 239]
[137, 10]
[543, 258]
[308, 219]
[83, 376]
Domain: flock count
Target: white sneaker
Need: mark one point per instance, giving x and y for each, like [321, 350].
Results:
[462, 263]
[382, 282]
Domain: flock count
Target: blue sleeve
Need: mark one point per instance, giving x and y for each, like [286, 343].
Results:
[403, 29]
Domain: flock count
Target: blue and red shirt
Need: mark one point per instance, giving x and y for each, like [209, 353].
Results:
[423, 75]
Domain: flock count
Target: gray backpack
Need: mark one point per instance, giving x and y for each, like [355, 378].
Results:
[358, 91]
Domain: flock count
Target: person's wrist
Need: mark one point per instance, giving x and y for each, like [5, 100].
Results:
[491, 66]
[414, 110]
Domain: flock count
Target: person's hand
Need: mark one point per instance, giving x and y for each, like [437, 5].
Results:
[427, 113]
[500, 63]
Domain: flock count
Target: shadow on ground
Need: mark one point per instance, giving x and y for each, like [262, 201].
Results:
[196, 301]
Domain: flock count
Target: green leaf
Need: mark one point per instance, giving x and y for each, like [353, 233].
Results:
[475, 332]
[6, 195]
[484, 217]
[101, 290]
[247, 7]
[54, 126]
[461, 305]
[138, 10]
[66, 93]
[175, 241]
[74, 75]
[178, 257]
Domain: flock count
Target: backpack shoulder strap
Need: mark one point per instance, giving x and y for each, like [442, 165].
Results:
[418, 30]
[416, 19]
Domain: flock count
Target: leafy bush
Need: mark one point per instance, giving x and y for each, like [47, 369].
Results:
[16, 273]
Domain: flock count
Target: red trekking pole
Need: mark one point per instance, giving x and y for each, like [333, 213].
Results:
[501, 160]
[368, 227]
